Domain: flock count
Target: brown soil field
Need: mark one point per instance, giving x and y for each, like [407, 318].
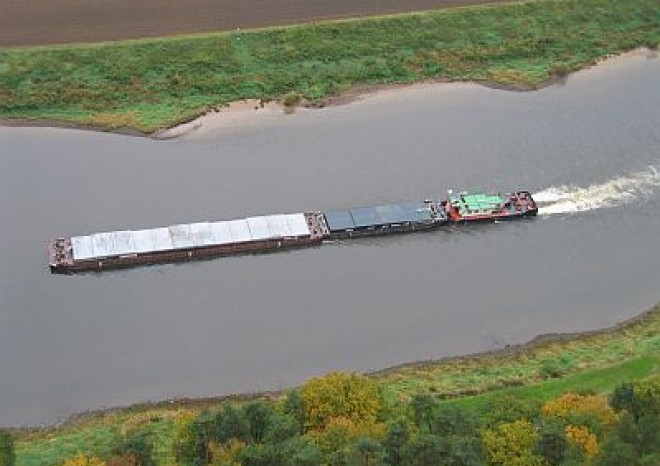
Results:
[34, 22]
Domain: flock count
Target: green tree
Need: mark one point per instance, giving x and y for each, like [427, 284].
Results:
[633, 440]
[465, 451]
[425, 450]
[282, 427]
[7, 453]
[423, 407]
[395, 441]
[623, 397]
[300, 451]
[138, 445]
[615, 452]
[552, 445]
[229, 423]
[258, 415]
[459, 431]
[192, 437]
[448, 420]
[259, 455]
[293, 406]
[367, 452]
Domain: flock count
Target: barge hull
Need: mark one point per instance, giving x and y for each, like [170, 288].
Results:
[494, 218]
[387, 230]
[162, 257]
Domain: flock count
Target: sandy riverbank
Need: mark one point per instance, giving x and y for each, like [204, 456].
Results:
[239, 114]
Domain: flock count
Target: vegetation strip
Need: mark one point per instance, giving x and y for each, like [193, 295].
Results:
[150, 84]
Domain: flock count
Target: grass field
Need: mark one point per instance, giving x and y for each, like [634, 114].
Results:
[595, 362]
[152, 84]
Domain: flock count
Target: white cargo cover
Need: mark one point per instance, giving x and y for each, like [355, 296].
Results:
[142, 241]
[185, 236]
[221, 233]
[123, 243]
[162, 239]
[181, 236]
[297, 224]
[201, 234]
[259, 228]
[103, 244]
[278, 226]
[82, 247]
[240, 232]
[156, 239]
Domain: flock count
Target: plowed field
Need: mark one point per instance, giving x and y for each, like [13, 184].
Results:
[33, 22]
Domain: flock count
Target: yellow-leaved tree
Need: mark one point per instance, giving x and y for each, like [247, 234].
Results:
[571, 407]
[512, 444]
[340, 395]
[581, 438]
[83, 460]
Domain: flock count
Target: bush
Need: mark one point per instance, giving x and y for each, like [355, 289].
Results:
[291, 99]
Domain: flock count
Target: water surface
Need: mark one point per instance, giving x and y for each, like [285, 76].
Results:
[71, 343]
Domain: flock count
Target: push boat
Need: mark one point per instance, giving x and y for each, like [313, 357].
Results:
[479, 207]
[202, 240]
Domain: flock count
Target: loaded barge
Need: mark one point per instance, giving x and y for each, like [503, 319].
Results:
[202, 240]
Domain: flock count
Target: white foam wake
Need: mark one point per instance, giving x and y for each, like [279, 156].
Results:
[614, 192]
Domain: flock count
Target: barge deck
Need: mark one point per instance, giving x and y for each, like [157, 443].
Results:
[203, 240]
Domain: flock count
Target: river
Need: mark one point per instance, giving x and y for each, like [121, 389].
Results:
[587, 147]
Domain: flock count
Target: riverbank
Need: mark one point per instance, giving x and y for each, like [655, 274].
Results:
[541, 369]
[239, 114]
[150, 85]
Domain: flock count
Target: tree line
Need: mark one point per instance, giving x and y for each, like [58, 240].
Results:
[343, 420]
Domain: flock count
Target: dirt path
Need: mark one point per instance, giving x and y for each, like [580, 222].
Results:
[33, 22]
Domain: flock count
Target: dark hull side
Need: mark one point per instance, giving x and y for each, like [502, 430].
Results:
[497, 218]
[184, 255]
[382, 231]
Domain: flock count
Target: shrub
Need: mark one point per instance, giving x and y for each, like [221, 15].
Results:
[338, 395]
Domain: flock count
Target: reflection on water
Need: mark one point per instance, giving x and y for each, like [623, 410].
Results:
[70, 343]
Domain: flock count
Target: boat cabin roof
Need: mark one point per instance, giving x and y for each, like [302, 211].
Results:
[477, 202]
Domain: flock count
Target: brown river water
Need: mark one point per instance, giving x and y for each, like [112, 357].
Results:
[589, 148]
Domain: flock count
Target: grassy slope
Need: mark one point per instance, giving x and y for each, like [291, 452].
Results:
[527, 364]
[150, 84]
[595, 362]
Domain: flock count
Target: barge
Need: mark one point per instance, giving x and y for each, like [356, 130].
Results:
[384, 219]
[185, 242]
[203, 240]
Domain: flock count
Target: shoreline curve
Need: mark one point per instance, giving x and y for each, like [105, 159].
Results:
[252, 108]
